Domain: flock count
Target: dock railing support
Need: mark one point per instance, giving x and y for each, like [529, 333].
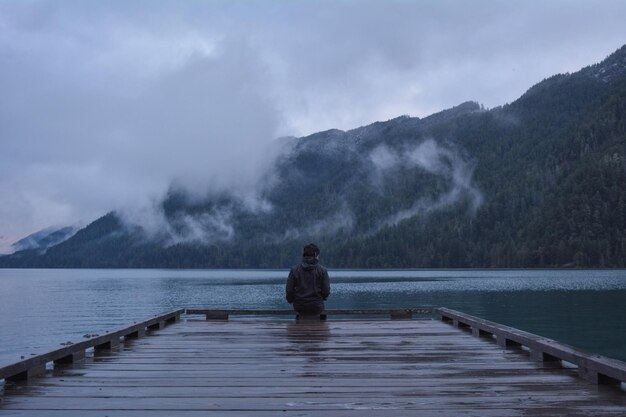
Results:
[71, 358]
[35, 366]
[156, 326]
[394, 314]
[596, 369]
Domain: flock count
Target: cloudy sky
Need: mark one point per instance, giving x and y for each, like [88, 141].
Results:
[104, 104]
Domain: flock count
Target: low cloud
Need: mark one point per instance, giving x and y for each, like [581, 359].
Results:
[211, 227]
[341, 220]
[434, 159]
[205, 125]
[214, 223]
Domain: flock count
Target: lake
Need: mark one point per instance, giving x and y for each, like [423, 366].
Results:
[41, 308]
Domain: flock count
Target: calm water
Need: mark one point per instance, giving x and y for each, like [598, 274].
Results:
[42, 308]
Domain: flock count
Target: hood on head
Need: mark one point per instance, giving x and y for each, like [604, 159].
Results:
[309, 262]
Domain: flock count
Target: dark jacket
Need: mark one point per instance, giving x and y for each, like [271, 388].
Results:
[308, 286]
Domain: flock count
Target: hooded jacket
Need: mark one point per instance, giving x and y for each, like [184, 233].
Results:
[308, 284]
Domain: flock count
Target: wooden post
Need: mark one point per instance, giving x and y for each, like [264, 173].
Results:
[505, 342]
[591, 371]
[34, 372]
[484, 333]
[111, 344]
[140, 332]
[157, 326]
[539, 355]
[463, 326]
[441, 316]
[536, 355]
[71, 358]
[216, 315]
[401, 315]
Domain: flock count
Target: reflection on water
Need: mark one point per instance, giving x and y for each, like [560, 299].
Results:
[308, 339]
[42, 308]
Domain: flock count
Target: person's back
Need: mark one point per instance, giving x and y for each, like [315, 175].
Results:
[308, 285]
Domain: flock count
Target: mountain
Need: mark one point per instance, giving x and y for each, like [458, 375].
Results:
[539, 182]
[43, 239]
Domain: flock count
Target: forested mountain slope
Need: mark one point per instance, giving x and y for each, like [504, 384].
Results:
[540, 182]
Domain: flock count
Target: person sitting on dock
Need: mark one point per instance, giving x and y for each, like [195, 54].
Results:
[308, 285]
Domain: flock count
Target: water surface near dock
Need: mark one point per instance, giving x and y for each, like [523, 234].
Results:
[42, 308]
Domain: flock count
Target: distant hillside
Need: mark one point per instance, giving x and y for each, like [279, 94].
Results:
[43, 239]
[540, 182]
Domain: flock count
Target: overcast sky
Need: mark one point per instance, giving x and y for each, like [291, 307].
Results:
[104, 104]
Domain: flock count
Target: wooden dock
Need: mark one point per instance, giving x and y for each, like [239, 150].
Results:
[269, 367]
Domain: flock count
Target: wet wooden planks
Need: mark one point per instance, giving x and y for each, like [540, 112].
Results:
[335, 368]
